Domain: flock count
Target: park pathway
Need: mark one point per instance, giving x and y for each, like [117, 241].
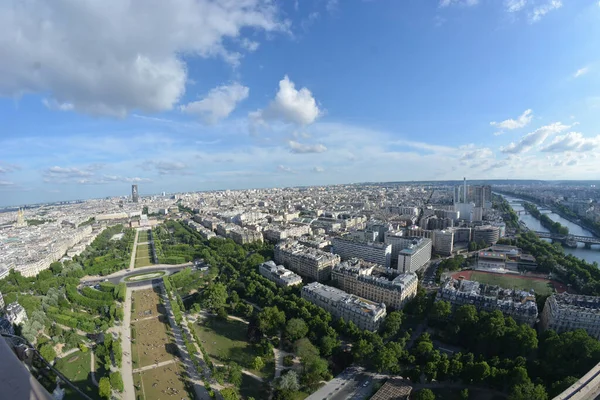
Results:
[152, 366]
[193, 375]
[93, 368]
[134, 250]
[124, 333]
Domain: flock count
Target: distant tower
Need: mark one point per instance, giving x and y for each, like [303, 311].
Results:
[465, 190]
[20, 219]
[134, 193]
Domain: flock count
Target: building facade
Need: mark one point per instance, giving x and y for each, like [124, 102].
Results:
[15, 313]
[347, 248]
[364, 313]
[567, 312]
[306, 261]
[415, 256]
[279, 274]
[375, 283]
[134, 193]
[519, 305]
[487, 234]
[443, 242]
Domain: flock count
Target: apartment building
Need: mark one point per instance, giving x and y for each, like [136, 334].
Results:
[415, 255]
[487, 233]
[1, 301]
[364, 313]
[276, 233]
[567, 312]
[443, 242]
[305, 261]
[519, 305]
[15, 313]
[279, 274]
[375, 283]
[347, 247]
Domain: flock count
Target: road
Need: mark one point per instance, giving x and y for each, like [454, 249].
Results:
[353, 383]
[119, 276]
[194, 377]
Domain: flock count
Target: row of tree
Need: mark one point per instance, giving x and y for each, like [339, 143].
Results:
[554, 227]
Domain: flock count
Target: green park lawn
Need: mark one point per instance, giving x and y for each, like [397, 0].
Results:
[76, 367]
[142, 256]
[514, 282]
[225, 341]
[142, 236]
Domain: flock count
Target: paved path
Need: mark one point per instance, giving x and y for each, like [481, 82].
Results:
[134, 250]
[125, 332]
[160, 364]
[93, 368]
[193, 375]
[121, 274]
[244, 371]
[278, 355]
[69, 352]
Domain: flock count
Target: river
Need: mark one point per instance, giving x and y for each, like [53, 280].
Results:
[590, 255]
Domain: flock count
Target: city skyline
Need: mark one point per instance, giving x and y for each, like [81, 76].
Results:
[293, 94]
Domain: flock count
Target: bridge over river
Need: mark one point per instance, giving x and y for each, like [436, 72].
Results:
[569, 239]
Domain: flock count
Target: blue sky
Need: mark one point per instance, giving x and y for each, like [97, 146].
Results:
[199, 95]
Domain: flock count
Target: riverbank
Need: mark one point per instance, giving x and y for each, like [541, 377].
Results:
[595, 232]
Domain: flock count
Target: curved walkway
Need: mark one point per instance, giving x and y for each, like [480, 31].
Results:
[93, 368]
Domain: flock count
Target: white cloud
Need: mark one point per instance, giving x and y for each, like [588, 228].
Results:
[68, 172]
[167, 167]
[136, 60]
[318, 170]
[290, 105]
[468, 3]
[471, 152]
[117, 178]
[218, 103]
[522, 121]
[534, 138]
[572, 141]
[513, 6]
[540, 11]
[249, 45]
[56, 106]
[283, 168]
[6, 183]
[581, 72]
[296, 147]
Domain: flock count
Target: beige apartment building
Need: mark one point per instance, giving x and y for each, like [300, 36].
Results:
[567, 312]
[306, 261]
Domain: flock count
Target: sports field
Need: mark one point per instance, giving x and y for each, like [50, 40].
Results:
[512, 281]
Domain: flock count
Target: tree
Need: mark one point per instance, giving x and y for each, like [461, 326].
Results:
[270, 319]
[258, 363]
[116, 381]
[235, 374]
[363, 350]
[425, 394]
[229, 394]
[215, 296]
[391, 324]
[296, 329]
[328, 343]
[305, 349]
[104, 388]
[528, 391]
[441, 310]
[464, 394]
[289, 382]
[47, 352]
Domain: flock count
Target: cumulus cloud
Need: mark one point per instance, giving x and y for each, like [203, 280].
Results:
[522, 121]
[54, 105]
[218, 103]
[572, 141]
[249, 45]
[67, 172]
[581, 72]
[318, 170]
[290, 105]
[136, 60]
[117, 178]
[283, 168]
[468, 3]
[471, 152]
[6, 168]
[6, 183]
[534, 138]
[540, 11]
[513, 6]
[296, 147]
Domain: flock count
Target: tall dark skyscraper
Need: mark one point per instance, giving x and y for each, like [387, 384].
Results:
[134, 193]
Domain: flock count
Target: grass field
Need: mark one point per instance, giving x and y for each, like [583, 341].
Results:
[153, 342]
[142, 256]
[250, 387]
[225, 341]
[543, 287]
[161, 383]
[143, 236]
[144, 276]
[76, 367]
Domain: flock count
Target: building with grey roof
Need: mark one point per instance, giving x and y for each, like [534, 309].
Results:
[364, 313]
[375, 252]
[279, 274]
[373, 282]
[518, 304]
[567, 312]
[306, 261]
